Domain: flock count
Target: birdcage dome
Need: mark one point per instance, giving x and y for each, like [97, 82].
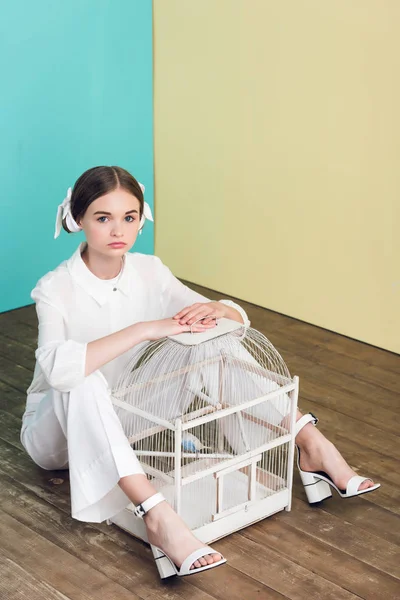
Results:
[187, 375]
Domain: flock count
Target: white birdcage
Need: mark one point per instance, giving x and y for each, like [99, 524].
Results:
[211, 418]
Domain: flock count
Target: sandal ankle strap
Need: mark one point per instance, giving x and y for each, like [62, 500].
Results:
[144, 507]
[304, 420]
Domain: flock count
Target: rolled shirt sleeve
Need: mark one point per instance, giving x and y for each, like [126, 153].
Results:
[62, 361]
[62, 364]
[240, 310]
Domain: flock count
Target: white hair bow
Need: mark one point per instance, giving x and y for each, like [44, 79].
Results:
[64, 212]
[147, 214]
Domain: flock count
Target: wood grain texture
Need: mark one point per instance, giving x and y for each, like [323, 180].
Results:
[17, 584]
[337, 550]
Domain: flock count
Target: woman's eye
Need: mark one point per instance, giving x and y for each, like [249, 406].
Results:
[129, 218]
[102, 219]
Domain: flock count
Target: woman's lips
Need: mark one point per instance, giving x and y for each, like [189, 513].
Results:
[117, 245]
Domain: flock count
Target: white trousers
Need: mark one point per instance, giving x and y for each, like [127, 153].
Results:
[80, 430]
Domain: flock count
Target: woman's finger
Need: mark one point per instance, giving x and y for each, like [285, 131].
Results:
[195, 315]
[209, 320]
[195, 329]
[206, 318]
[185, 311]
[189, 315]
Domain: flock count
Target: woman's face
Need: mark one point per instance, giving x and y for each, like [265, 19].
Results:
[111, 223]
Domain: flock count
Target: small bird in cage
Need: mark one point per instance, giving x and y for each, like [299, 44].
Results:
[190, 443]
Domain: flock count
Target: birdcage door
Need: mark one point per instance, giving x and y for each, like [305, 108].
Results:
[236, 487]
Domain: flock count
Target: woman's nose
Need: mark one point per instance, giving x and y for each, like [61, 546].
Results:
[116, 232]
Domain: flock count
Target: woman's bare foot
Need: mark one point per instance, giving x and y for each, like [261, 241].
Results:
[319, 454]
[167, 531]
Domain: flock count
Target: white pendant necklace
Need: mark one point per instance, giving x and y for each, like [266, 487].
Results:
[115, 286]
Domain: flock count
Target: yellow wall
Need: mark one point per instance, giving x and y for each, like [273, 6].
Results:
[277, 151]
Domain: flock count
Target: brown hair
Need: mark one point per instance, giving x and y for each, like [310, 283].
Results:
[97, 182]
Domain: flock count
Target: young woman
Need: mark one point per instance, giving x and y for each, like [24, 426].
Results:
[92, 310]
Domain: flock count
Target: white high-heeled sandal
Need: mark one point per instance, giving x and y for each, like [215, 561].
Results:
[318, 485]
[166, 566]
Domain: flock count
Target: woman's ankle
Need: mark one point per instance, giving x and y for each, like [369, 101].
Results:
[158, 516]
[310, 439]
[137, 487]
[308, 436]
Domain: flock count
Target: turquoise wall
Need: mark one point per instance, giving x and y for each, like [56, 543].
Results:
[76, 91]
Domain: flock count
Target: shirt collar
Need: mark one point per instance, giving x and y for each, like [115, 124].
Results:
[93, 285]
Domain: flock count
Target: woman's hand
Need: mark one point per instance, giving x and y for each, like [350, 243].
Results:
[208, 311]
[156, 330]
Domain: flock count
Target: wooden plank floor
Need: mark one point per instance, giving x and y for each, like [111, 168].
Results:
[339, 550]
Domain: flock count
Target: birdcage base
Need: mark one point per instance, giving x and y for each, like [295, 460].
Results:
[238, 517]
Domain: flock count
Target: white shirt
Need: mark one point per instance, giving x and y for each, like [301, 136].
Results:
[75, 307]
